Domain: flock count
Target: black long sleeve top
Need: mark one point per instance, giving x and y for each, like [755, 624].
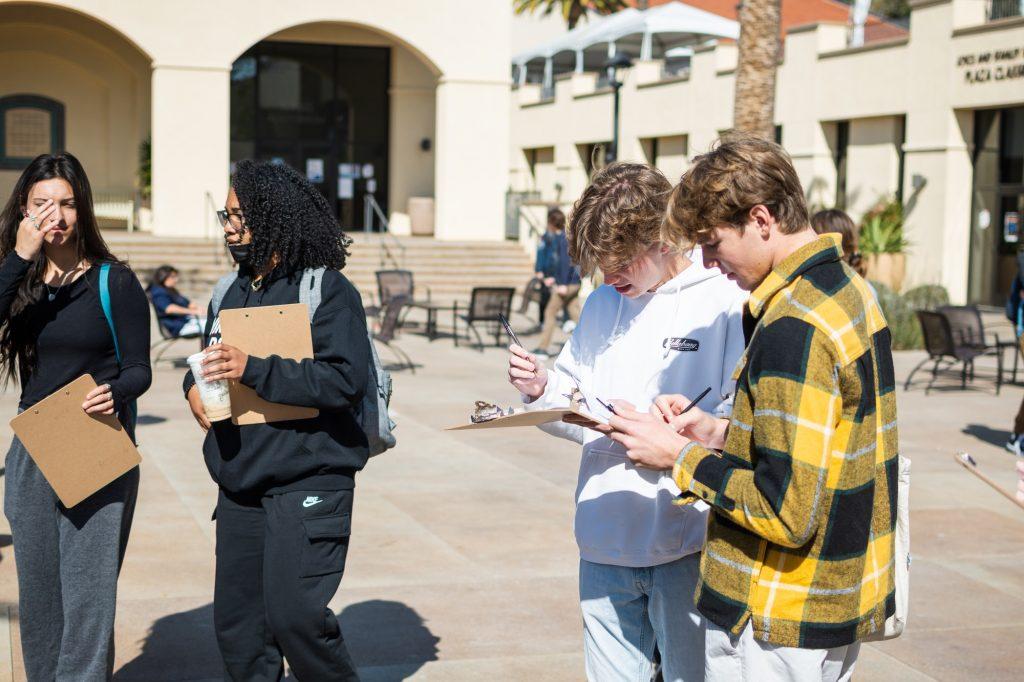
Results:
[73, 337]
[322, 453]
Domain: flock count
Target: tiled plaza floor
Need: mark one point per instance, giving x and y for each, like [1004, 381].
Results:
[463, 566]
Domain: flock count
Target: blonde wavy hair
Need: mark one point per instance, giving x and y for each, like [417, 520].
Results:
[618, 217]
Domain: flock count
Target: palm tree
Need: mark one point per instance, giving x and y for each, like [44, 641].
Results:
[571, 10]
[754, 108]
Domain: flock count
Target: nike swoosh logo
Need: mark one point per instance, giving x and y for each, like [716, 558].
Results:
[310, 501]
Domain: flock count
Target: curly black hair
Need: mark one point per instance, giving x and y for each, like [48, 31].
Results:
[288, 217]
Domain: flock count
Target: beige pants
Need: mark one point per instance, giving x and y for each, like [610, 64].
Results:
[744, 659]
[571, 300]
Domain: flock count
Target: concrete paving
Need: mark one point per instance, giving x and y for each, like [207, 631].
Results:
[462, 563]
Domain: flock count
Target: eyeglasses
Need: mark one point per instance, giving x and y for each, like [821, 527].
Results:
[236, 220]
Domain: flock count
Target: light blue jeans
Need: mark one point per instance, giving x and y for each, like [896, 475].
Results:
[627, 610]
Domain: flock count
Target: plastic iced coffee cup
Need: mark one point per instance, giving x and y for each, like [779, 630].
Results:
[214, 395]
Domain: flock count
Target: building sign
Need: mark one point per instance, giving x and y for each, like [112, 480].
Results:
[992, 65]
[1011, 227]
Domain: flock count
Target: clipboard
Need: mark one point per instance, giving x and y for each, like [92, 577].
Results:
[77, 453]
[534, 418]
[281, 330]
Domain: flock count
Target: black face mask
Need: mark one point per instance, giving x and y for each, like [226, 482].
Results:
[239, 253]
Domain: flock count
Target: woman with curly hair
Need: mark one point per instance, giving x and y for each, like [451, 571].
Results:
[286, 489]
[54, 265]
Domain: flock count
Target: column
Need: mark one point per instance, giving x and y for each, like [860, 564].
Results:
[191, 135]
[472, 159]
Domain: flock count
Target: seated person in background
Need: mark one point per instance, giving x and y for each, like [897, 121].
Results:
[175, 313]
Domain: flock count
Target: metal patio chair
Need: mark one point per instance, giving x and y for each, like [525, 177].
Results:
[485, 304]
[387, 328]
[167, 339]
[947, 342]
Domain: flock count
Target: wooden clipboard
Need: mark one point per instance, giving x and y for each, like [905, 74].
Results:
[77, 453]
[532, 418]
[281, 330]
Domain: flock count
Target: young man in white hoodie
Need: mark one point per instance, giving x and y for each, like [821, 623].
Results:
[660, 320]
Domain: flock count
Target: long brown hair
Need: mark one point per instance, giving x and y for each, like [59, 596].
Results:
[17, 346]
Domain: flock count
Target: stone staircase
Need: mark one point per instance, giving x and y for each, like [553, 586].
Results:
[448, 269]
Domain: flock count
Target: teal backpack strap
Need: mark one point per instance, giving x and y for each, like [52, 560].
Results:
[107, 313]
[105, 302]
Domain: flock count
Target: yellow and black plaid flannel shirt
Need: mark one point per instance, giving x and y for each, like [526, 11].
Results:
[800, 538]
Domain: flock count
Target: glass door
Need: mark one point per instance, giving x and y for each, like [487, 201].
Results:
[998, 203]
[322, 109]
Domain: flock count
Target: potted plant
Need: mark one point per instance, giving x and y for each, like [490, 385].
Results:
[883, 245]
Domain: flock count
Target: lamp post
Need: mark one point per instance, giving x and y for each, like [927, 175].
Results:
[620, 61]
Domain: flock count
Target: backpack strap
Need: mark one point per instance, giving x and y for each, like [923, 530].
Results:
[311, 289]
[220, 290]
[133, 409]
[105, 303]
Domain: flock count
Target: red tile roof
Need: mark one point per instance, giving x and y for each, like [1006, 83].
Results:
[801, 12]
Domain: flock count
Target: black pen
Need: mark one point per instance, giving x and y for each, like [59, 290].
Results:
[696, 400]
[512, 334]
[607, 406]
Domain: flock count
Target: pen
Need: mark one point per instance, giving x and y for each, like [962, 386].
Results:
[607, 406]
[508, 330]
[696, 400]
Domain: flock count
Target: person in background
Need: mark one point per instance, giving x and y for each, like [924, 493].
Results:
[544, 267]
[1015, 313]
[178, 315]
[561, 276]
[53, 263]
[834, 220]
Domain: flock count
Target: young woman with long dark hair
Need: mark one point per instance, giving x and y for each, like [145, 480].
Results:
[55, 329]
[286, 489]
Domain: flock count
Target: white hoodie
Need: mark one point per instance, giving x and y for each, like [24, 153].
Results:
[685, 336]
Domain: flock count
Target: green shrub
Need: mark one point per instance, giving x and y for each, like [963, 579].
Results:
[899, 312]
[881, 229]
[927, 297]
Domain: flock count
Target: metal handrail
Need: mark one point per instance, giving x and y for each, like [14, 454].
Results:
[370, 209]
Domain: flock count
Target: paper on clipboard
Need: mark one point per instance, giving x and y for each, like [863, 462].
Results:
[281, 330]
[77, 453]
[528, 418]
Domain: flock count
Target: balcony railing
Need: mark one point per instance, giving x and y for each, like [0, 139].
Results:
[1004, 9]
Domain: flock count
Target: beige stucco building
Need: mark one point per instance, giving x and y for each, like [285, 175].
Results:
[386, 97]
[935, 119]
[417, 105]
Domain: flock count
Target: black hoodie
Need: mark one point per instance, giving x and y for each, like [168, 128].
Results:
[322, 453]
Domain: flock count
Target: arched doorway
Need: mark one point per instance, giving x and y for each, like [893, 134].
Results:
[350, 107]
[70, 82]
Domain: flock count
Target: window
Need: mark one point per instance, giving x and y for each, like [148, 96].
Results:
[29, 126]
[668, 154]
[593, 156]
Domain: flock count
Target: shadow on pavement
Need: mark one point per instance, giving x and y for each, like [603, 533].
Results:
[381, 633]
[181, 646]
[378, 633]
[997, 437]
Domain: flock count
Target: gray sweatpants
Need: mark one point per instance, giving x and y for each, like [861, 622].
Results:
[68, 562]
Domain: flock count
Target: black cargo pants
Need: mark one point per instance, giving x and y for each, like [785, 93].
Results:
[279, 562]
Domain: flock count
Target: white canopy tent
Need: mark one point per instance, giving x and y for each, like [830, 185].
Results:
[647, 34]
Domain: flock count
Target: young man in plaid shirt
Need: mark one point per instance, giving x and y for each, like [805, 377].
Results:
[798, 565]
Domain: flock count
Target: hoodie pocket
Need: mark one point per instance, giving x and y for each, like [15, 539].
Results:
[627, 513]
